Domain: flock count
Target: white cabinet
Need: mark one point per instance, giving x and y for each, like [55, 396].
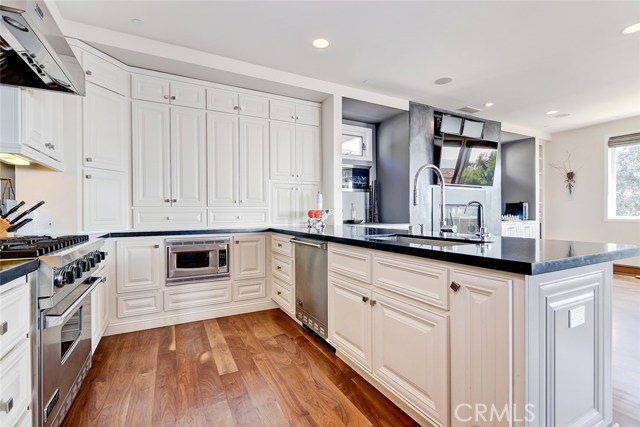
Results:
[101, 72]
[237, 158]
[290, 202]
[292, 112]
[523, 229]
[104, 200]
[99, 311]
[249, 257]
[295, 152]
[169, 149]
[140, 264]
[480, 341]
[105, 126]
[156, 89]
[237, 217]
[226, 101]
[169, 218]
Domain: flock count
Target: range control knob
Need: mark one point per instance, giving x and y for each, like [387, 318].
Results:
[77, 270]
[58, 279]
[96, 257]
[69, 276]
[103, 255]
[91, 261]
[84, 264]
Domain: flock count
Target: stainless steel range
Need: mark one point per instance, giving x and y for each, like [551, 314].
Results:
[70, 268]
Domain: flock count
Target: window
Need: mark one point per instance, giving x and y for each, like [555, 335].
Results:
[357, 143]
[624, 177]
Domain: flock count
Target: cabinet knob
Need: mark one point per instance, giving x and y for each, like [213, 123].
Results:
[166, 96]
[372, 302]
[88, 72]
[88, 176]
[156, 246]
[239, 217]
[242, 201]
[279, 245]
[365, 299]
[4, 328]
[53, 146]
[174, 200]
[89, 159]
[278, 268]
[235, 107]
[297, 175]
[279, 292]
[297, 117]
[293, 174]
[235, 201]
[241, 108]
[169, 218]
[293, 188]
[293, 117]
[173, 97]
[6, 406]
[167, 200]
[297, 189]
[455, 286]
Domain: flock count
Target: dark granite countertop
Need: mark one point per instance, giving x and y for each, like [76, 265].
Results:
[11, 269]
[510, 254]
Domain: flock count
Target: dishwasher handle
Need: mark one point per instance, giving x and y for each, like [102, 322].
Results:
[322, 246]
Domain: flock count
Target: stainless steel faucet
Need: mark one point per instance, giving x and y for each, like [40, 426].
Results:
[482, 231]
[444, 227]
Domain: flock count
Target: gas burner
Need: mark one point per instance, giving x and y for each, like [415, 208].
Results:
[35, 246]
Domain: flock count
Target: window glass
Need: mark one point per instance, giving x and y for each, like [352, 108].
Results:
[480, 167]
[624, 174]
[352, 145]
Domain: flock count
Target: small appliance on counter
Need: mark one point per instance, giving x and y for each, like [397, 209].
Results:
[519, 210]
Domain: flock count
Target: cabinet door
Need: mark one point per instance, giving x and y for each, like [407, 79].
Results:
[150, 125]
[306, 195]
[480, 342]
[282, 143]
[307, 115]
[283, 203]
[99, 313]
[140, 264]
[249, 257]
[222, 100]
[105, 200]
[308, 153]
[282, 110]
[350, 320]
[255, 106]
[42, 122]
[527, 231]
[254, 162]
[148, 88]
[104, 129]
[188, 157]
[410, 354]
[509, 230]
[222, 159]
[103, 73]
[187, 95]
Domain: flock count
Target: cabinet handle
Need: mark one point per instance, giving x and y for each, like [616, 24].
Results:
[455, 286]
[365, 299]
[174, 200]
[53, 146]
[279, 292]
[88, 176]
[278, 268]
[166, 96]
[4, 328]
[6, 406]
[372, 302]
[167, 200]
[156, 246]
[173, 97]
[89, 159]
[237, 242]
[88, 72]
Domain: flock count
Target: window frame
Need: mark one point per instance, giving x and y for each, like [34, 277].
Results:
[367, 138]
[610, 183]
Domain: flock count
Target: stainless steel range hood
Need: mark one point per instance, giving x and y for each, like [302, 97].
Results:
[33, 51]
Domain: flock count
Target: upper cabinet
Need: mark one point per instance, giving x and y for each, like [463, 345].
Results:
[287, 111]
[295, 152]
[102, 73]
[155, 89]
[226, 101]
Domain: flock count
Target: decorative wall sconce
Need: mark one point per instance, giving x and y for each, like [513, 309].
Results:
[566, 171]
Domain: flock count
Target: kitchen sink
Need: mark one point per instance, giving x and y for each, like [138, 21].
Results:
[420, 240]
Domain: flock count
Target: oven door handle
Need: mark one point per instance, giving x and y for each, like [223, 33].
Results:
[51, 321]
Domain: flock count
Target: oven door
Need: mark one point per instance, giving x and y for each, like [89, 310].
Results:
[65, 350]
[193, 261]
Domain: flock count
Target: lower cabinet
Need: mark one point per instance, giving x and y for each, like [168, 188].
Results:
[249, 257]
[284, 295]
[99, 312]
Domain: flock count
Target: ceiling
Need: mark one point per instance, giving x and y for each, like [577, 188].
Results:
[528, 57]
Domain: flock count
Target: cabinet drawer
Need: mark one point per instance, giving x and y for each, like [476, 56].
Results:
[169, 218]
[189, 296]
[283, 295]
[15, 309]
[222, 100]
[136, 305]
[281, 245]
[104, 73]
[251, 289]
[237, 217]
[350, 262]
[282, 269]
[15, 387]
[414, 278]
[147, 88]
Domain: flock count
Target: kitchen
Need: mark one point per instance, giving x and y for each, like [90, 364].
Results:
[193, 175]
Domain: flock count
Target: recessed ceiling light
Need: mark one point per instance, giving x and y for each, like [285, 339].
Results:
[489, 104]
[552, 112]
[443, 80]
[321, 43]
[137, 22]
[632, 29]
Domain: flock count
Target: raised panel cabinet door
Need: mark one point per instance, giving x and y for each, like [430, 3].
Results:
[140, 264]
[282, 110]
[188, 157]
[350, 320]
[222, 100]
[105, 129]
[35, 122]
[104, 74]
[282, 150]
[480, 344]
[99, 313]
[307, 115]
[252, 105]
[147, 88]
[411, 356]
[249, 257]
[306, 195]
[105, 200]
[308, 155]
[222, 159]
[283, 203]
[150, 125]
[187, 95]
[254, 162]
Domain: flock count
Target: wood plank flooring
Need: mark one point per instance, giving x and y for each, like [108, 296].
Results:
[257, 369]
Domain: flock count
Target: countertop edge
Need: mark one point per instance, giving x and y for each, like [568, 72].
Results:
[12, 273]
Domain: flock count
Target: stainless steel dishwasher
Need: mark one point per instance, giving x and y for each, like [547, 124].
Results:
[311, 284]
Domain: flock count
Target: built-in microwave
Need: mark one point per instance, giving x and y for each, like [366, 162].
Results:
[197, 260]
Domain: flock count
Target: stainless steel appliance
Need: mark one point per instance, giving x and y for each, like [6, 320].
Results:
[196, 260]
[33, 51]
[311, 284]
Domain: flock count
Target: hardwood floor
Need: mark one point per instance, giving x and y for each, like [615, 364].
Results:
[257, 369]
[626, 351]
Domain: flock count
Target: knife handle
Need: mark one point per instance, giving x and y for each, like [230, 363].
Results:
[14, 227]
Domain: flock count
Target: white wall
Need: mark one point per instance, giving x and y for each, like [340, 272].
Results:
[582, 215]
